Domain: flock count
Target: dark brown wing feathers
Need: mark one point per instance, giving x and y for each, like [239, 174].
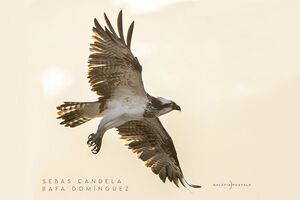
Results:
[120, 26]
[151, 142]
[129, 34]
[111, 63]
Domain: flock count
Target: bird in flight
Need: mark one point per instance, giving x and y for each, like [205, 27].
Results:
[115, 74]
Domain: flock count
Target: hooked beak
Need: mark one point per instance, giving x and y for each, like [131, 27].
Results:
[176, 107]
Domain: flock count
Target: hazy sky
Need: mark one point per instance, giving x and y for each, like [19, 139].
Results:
[233, 67]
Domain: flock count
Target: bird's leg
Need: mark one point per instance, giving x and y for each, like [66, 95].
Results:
[108, 122]
[95, 139]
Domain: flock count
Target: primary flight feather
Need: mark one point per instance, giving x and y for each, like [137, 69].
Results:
[115, 74]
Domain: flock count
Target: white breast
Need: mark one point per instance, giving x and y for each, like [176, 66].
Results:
[131, 105]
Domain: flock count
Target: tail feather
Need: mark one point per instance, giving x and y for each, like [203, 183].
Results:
[76, 113]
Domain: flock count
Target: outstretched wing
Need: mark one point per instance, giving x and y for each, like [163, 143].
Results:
[151, 142]
[112, 66]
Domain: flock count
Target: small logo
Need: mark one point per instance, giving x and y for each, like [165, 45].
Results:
[232, 185]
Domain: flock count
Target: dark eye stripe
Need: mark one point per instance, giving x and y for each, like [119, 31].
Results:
[166, 105]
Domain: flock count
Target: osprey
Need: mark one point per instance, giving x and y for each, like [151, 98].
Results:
[115, 74]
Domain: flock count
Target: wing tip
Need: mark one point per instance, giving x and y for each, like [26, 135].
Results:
[129, 34]
[120, 26]
[111, 31]
[109, 25]
[191, 185]
[96, 22]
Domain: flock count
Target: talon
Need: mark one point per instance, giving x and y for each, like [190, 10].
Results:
[95, 150]
[94, 142]
[91, 135]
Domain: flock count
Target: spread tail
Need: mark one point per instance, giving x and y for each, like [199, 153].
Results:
[76, 113]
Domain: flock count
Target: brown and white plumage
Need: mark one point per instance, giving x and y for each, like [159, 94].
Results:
[112, 64]
[149, 139]
[114, 73]
[76, 113]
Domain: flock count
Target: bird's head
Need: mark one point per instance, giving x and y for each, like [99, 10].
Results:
[166, 105]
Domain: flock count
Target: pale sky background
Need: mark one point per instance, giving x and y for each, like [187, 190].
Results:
[233, 67]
